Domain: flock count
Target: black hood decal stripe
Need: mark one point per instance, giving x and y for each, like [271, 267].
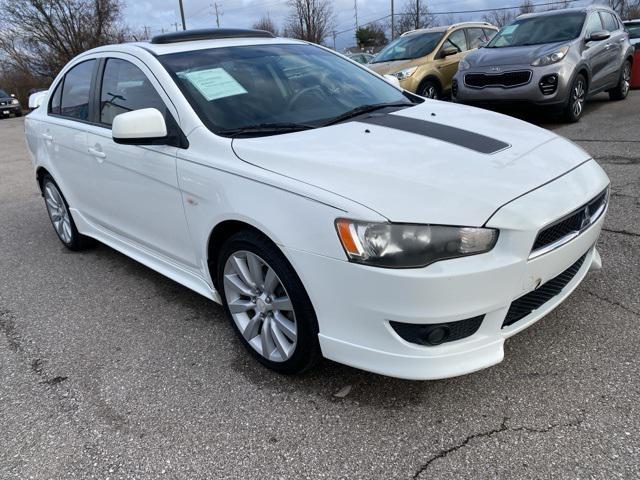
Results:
[445, 133]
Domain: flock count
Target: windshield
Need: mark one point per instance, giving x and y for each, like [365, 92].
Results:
[633, 29]
[3, 94]
[408, 47]
[560, 27]
[246, 86]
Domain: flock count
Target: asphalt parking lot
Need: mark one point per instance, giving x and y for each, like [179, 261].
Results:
[109, 370]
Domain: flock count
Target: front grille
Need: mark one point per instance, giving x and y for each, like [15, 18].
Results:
[437, 333]
[5, 102]
[526, 304]
[572, 223]
[507, 79]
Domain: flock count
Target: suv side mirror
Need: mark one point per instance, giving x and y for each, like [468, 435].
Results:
[598, 36]
[139, 127]
[448, 51]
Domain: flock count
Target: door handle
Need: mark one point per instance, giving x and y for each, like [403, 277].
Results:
[97, 153]
[47, 137]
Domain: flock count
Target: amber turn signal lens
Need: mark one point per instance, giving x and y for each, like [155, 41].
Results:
[347, 236]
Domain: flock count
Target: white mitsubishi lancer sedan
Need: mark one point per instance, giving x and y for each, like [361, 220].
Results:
[330, 213]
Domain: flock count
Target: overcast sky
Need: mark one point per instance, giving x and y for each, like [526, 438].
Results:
[164, 14]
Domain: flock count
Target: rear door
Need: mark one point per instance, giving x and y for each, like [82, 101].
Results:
[138, 197]
[614, 46]
[64, 134]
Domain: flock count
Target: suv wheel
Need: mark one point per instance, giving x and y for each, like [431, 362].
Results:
[267, 304]
[60, 216]
[429, 89]
[622, 89]
[577, 97]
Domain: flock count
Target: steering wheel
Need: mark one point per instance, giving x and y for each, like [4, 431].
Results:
[317, 89]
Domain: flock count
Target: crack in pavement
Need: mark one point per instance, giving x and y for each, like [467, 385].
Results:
[613, 302]
[502, 428]
[621, 232]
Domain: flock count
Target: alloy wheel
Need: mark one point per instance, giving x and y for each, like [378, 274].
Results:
[260, 306]
[626, 79]
[430, 92]
[578, 98]
[58, 212]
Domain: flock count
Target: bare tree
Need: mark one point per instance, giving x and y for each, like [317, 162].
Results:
[310, 20]
[414, 15]
[527, 7]
[499, 18]
[265, 23]
[41, 36]
[627, 9]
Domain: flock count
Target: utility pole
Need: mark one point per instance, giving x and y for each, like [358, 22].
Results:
[355, 6]
[215, 6]
[393, 30]
[184, 25]
[175, 24]
[333, 34]
[146, 32]
[417, 14]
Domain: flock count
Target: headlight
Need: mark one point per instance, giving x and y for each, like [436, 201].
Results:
[463, 65]
[406, 73]
[15, 102]
[552, 57]
[394, 245]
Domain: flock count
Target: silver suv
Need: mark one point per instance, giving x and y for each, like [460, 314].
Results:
[556, 58]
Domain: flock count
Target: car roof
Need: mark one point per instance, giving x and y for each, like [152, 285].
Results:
[445, 28]
[590, 8]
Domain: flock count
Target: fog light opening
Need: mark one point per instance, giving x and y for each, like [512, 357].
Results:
[549, 84]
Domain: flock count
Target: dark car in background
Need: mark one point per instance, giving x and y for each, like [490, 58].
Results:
[9, 105]
[633, 28]
[556, 58]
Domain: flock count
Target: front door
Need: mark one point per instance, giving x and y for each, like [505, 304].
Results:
[138, 197]
[596, 52]
[448, 66]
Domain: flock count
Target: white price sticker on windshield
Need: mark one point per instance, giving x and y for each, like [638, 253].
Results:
[214, 83]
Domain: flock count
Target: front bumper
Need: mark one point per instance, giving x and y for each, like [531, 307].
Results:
[6, 110]
[529, 93]
[355, 304]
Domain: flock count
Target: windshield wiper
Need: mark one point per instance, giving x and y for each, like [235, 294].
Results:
[266, 129]
[362, 109]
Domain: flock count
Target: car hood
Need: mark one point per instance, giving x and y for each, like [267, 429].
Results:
[486, 57]
[384, 68]
[416, 177]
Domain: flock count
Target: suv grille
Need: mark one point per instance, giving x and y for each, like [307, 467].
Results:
[5, 102]
[507, 79]
[577, 221]
[526, 304]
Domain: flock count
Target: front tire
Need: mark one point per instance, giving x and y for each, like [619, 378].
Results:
[577, 98]
[60, 216]
[429, 89]
[267, 304]
[624, 84]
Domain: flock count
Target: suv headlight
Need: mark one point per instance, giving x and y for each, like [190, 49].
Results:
[15, 101]
[406, 73]
[552, 57]
[394, 245]
[464, 65]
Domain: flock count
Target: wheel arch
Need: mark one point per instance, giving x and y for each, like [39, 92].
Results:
[40, 174]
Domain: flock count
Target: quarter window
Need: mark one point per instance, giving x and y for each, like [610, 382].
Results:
[75, 91]
[476, 37]
[125, 88]
[54, 106]
[458, 40]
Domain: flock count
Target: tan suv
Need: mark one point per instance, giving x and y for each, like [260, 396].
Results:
[425, 60]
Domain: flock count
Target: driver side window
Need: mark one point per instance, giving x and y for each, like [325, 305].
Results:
[126, 88]
[594, 24]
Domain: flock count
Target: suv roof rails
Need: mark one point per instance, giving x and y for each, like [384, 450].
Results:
[459, 24]
[210, 34]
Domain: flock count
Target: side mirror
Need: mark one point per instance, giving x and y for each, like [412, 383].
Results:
[598, 36]
[36, 99]
[392, 80]
[139, 127]
[448, 51]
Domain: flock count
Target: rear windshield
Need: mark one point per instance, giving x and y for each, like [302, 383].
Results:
[633, 29]
[560, 27]
[409, 47]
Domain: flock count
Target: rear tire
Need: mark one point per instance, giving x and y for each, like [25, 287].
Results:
[60, 216]
[624, 84]
[270, 310]
[577, 97]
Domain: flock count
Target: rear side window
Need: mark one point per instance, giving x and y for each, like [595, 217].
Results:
[476, 37]
[609, 21]
[75, 91]
[125, 88]
[594, 24]
[458, 40]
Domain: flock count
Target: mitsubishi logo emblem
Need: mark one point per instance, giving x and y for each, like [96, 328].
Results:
[586, 218]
